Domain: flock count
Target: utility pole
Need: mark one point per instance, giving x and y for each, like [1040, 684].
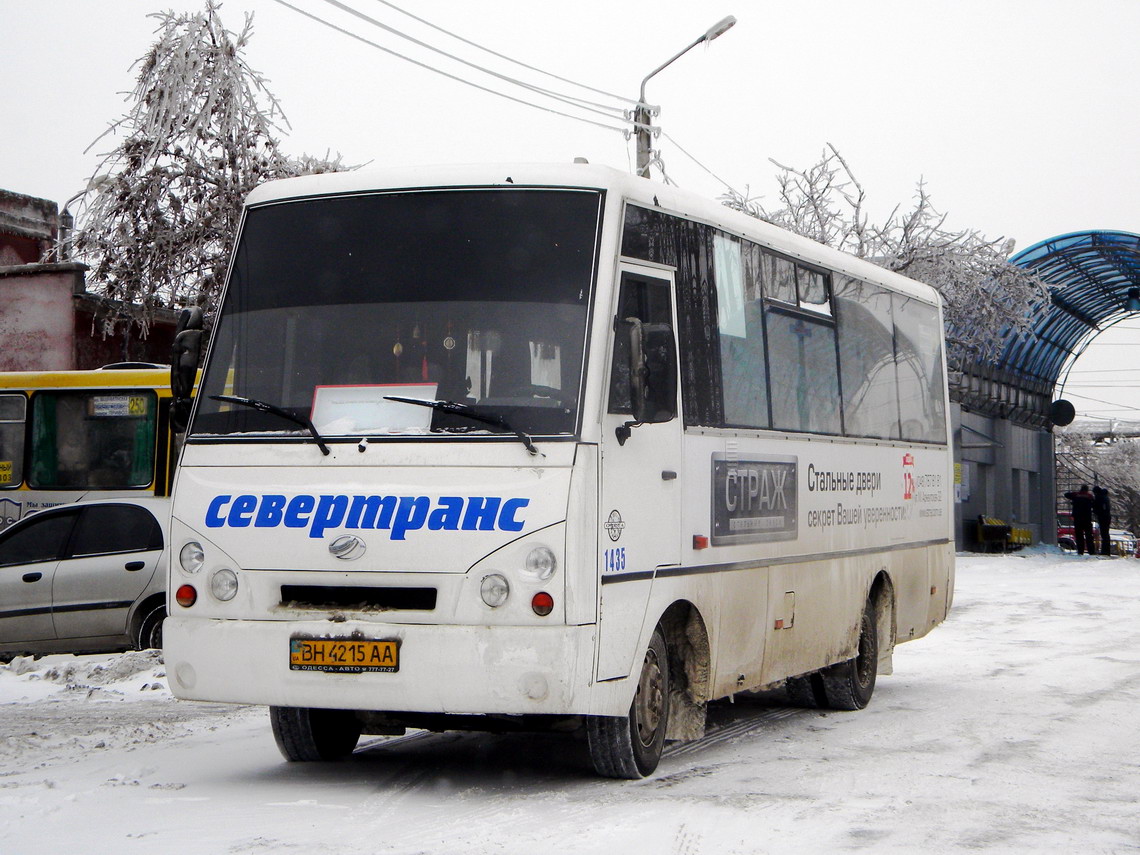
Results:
[643, 115]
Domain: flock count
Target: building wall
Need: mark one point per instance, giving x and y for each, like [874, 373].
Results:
[48, 321]
[28, 229]
[1007, 471]
[37, 328]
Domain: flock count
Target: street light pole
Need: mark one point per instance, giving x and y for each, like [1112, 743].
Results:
[642, 116]
[66, 226]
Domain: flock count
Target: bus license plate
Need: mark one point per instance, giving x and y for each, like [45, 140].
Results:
[343, 655]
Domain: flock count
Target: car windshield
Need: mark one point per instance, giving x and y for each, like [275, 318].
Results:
[337, 305]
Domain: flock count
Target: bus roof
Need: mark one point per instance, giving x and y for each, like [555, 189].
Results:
[98, 378]
[587, 176]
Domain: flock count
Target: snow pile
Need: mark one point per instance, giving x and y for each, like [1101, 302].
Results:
[123, 675]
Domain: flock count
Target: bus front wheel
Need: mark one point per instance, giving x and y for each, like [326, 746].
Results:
[304, 734]
[630, 746]
[849, 685]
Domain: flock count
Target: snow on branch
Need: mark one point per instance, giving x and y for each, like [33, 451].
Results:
[201, 132]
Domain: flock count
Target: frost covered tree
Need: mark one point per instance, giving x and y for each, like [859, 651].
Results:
[201, 132]
[983, 294]
[1112, 457]
[1109, 455]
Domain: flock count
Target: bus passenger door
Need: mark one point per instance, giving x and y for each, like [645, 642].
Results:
[641, 468]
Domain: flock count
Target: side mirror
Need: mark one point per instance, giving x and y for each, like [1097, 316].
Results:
[184, 355]
[652, 375]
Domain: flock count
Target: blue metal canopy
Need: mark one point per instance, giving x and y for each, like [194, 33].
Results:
[1090, 275]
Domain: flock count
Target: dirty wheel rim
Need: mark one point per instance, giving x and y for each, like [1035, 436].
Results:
[649, 702]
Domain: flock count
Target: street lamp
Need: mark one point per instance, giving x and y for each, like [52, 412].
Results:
[67, 221]
[66, 226]
[642, 118]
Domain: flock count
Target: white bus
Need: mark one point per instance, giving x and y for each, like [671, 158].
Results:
[528, 446]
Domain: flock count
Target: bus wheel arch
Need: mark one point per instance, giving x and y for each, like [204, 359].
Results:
[690, 670]
[882, 599]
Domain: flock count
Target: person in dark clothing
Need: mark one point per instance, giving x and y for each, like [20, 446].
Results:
[1082, 501]
[1102, 510]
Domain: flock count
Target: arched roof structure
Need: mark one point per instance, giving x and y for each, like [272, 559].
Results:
[1090, 275]
[1093, 278]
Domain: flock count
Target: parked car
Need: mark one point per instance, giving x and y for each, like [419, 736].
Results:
[1066, 537]
[1123, 542]
[84, 577]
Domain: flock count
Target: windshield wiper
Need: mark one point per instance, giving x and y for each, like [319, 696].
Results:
[263, 407]
[457, 409]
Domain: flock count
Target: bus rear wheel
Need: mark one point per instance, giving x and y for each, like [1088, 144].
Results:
[306, 734]
[630, 746]
[849, 685]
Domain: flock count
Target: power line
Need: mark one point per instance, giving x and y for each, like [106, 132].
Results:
[630, 101]
[580, 103]
[1073, 394]
[698, 163]
[359, 38]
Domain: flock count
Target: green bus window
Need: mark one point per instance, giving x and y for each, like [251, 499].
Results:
[93, 440]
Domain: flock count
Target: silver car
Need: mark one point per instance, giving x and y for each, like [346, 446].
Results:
[84, 577]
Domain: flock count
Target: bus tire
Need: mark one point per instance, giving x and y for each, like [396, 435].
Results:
[805, 691]
[849, 685]
[149, 635]
[306, 734]
[630, 746]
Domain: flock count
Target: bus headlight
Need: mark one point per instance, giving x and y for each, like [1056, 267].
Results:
[541, 563]
[191, 557]
[494, 590]
[224, 585]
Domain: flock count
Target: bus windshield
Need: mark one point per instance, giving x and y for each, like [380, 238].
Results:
[337, 305]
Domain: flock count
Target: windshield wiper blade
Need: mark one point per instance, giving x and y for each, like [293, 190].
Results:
[458, 409]
[263, 407]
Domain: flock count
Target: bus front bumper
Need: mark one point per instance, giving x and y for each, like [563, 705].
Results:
[447, 669]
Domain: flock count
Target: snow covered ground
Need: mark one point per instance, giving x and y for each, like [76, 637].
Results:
[1013, 727]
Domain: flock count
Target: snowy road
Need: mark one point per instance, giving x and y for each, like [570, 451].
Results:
[1013, 727]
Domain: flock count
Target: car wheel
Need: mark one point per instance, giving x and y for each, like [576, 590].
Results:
[149, 635]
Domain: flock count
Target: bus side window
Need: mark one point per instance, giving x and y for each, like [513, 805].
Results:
[84, 440]
[13, 409]
[648, 301]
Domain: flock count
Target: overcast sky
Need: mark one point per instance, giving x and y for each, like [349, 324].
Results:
[1020, 115]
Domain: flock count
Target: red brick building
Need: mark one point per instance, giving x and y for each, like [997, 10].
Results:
[48, 320]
